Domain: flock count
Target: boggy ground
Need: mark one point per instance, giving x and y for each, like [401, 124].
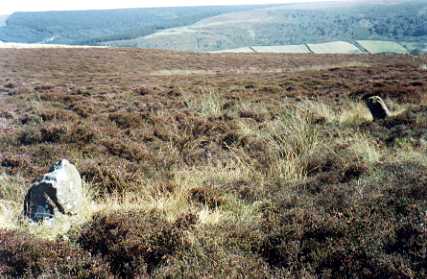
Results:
[216, 166]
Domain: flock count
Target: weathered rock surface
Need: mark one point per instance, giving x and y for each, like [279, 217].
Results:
[60, 190]
[377, 107]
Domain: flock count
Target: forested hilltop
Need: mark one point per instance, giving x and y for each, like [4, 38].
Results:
[92, 27]
[296, 24]
[225, 27]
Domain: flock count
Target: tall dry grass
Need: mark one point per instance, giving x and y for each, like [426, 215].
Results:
[293, 139]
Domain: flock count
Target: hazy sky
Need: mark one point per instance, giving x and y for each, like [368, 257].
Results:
[9, 6]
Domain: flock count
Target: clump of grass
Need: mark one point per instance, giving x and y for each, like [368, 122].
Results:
[349, 113]
[320, 111]
[293, 139]
[354, 114]
[198, 190]
[208, 104]
[12, 194]
[408, 153]
[211, 105]
[365, 149]
[12, 187]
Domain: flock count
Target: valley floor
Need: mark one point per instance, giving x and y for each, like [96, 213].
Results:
[216, 165]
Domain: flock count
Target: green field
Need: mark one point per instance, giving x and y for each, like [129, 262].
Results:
[334, 47]
[282, 49]
[382, 47]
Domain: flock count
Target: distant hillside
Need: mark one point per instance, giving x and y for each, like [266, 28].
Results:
[92, 27]
[295, 24]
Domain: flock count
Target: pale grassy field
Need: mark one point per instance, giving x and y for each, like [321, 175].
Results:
[235, 50]
[282, 49]
[382, 47]
[334, 47]
[337, 47]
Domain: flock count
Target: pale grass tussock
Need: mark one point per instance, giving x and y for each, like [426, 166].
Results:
[171, 204]
[365, 149]
[12, 194]
[213, 174]
[209, 103]
[354, 113]
[408, 153]
[350, 113]
[395, 107]
[292, 137]
[212, 217]
[258, 107]
[245, 129]
[176, 203]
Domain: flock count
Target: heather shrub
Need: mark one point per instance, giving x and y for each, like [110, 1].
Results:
[131, 151]
[135, 243]
[127, 120]
[221, 250]
[23, 256]
[53, 133]
[108, 177]
[409, 126]
[348, 236]
[30, 135]
[206, 196]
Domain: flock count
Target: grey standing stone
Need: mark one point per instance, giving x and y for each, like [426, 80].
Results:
[60, 190]
[377, 107]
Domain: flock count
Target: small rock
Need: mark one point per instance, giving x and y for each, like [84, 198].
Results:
[377, 107]
[60, 190]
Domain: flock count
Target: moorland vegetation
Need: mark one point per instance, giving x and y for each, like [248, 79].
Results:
[216, 166]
